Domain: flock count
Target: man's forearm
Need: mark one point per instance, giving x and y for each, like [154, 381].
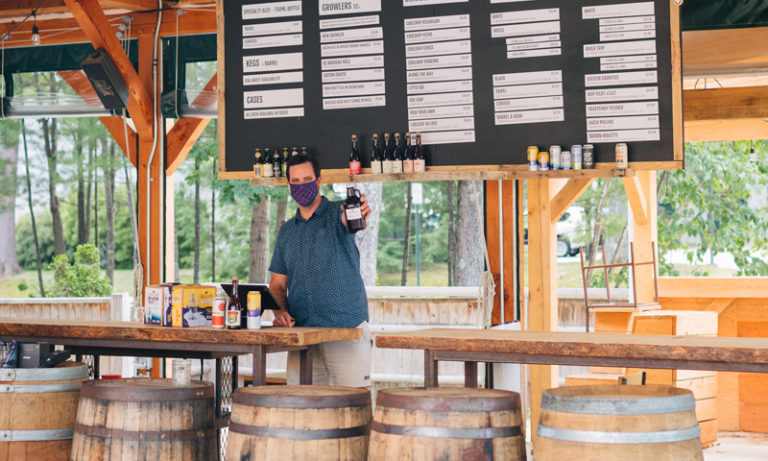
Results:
[279, 296]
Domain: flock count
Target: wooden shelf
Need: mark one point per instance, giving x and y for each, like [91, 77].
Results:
[453, 173]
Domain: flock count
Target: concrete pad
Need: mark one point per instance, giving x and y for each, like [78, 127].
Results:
[738, 446]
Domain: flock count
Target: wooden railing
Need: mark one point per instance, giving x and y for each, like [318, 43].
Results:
[114, 307]
[742, 308]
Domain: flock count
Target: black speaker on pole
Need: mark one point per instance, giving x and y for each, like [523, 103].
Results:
[105, 79]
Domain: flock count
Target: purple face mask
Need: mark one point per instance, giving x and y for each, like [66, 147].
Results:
[304, 194]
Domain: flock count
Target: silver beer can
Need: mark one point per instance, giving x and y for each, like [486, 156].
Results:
[577, 156]
[554, 157]
[565, 160]
[589, 156]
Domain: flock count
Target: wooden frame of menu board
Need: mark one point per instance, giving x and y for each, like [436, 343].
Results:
[495, 149]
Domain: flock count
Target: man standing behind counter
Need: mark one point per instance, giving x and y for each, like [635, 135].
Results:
[316, 280]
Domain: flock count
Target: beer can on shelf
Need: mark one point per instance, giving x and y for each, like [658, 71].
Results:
[554, 157]
[533, 154]
[253, 309]
[589, 156]
[218, 311]
[577, 156]
[543, 160]
[565, 160]
[622, 154]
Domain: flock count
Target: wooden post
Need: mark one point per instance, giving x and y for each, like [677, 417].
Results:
[641, 192]
[151, 213]
[493, 237]
[542, 312]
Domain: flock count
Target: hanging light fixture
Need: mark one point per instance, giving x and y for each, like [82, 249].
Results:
[35, 32]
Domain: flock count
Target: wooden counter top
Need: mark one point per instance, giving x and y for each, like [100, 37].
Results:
[131, 331]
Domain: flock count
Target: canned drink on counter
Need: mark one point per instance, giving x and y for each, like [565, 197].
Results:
[577, 156]
[218, 311]
[543, 160]
[622, 154]
[253, 310]
[565, 160]
[554, 157]
[589, 156]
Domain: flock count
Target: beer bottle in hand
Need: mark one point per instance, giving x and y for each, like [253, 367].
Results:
[355, 221]
[235, 310]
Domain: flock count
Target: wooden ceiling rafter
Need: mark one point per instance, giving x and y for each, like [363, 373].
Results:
[115, 125]
[91, 18]
[64, 31]
[185, 133]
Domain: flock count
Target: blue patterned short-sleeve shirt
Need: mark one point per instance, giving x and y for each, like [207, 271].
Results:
[321, 261]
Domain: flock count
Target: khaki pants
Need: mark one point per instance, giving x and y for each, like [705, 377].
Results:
[337, 363]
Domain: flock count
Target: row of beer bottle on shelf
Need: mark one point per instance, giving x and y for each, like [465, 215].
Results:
[394, 156]
[272, 164]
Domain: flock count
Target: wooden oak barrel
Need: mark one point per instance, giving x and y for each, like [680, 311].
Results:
[642, 423]
[145, 419]
[37, 411]
[321, 423]
[446, 424]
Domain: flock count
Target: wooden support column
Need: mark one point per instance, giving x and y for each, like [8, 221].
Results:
[496, 240]
[641, 192]
[156, 172]
[542, 312]
[152, 212]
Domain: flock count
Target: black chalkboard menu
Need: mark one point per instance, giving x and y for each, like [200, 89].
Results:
[480, 80]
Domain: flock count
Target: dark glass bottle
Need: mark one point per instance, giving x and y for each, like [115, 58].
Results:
[408, 161]
[285, 160]
[277, 163]
[354, 157]
[399, 155]
[387, 163]
[419, 162]
[269, 171]
[376, 156]
[235, 309]
[258, 164]
[355, 220]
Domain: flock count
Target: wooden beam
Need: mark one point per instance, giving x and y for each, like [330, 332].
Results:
[185, 133]
[636, 196]
[568, 195]
[542, 309]
[116, 128]
[726, 130]
[713, 287]
[726, 103]
[708, 53]
[82, 86]
[91, 18]
[644, 232]
[495, 250]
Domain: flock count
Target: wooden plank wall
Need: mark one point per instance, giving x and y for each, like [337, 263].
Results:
[742, 308]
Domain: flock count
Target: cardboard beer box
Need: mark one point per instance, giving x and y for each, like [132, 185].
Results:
[183, 313]
[157, 299]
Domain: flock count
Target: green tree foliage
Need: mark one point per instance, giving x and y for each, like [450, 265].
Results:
[84, 278]
[717, 204]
